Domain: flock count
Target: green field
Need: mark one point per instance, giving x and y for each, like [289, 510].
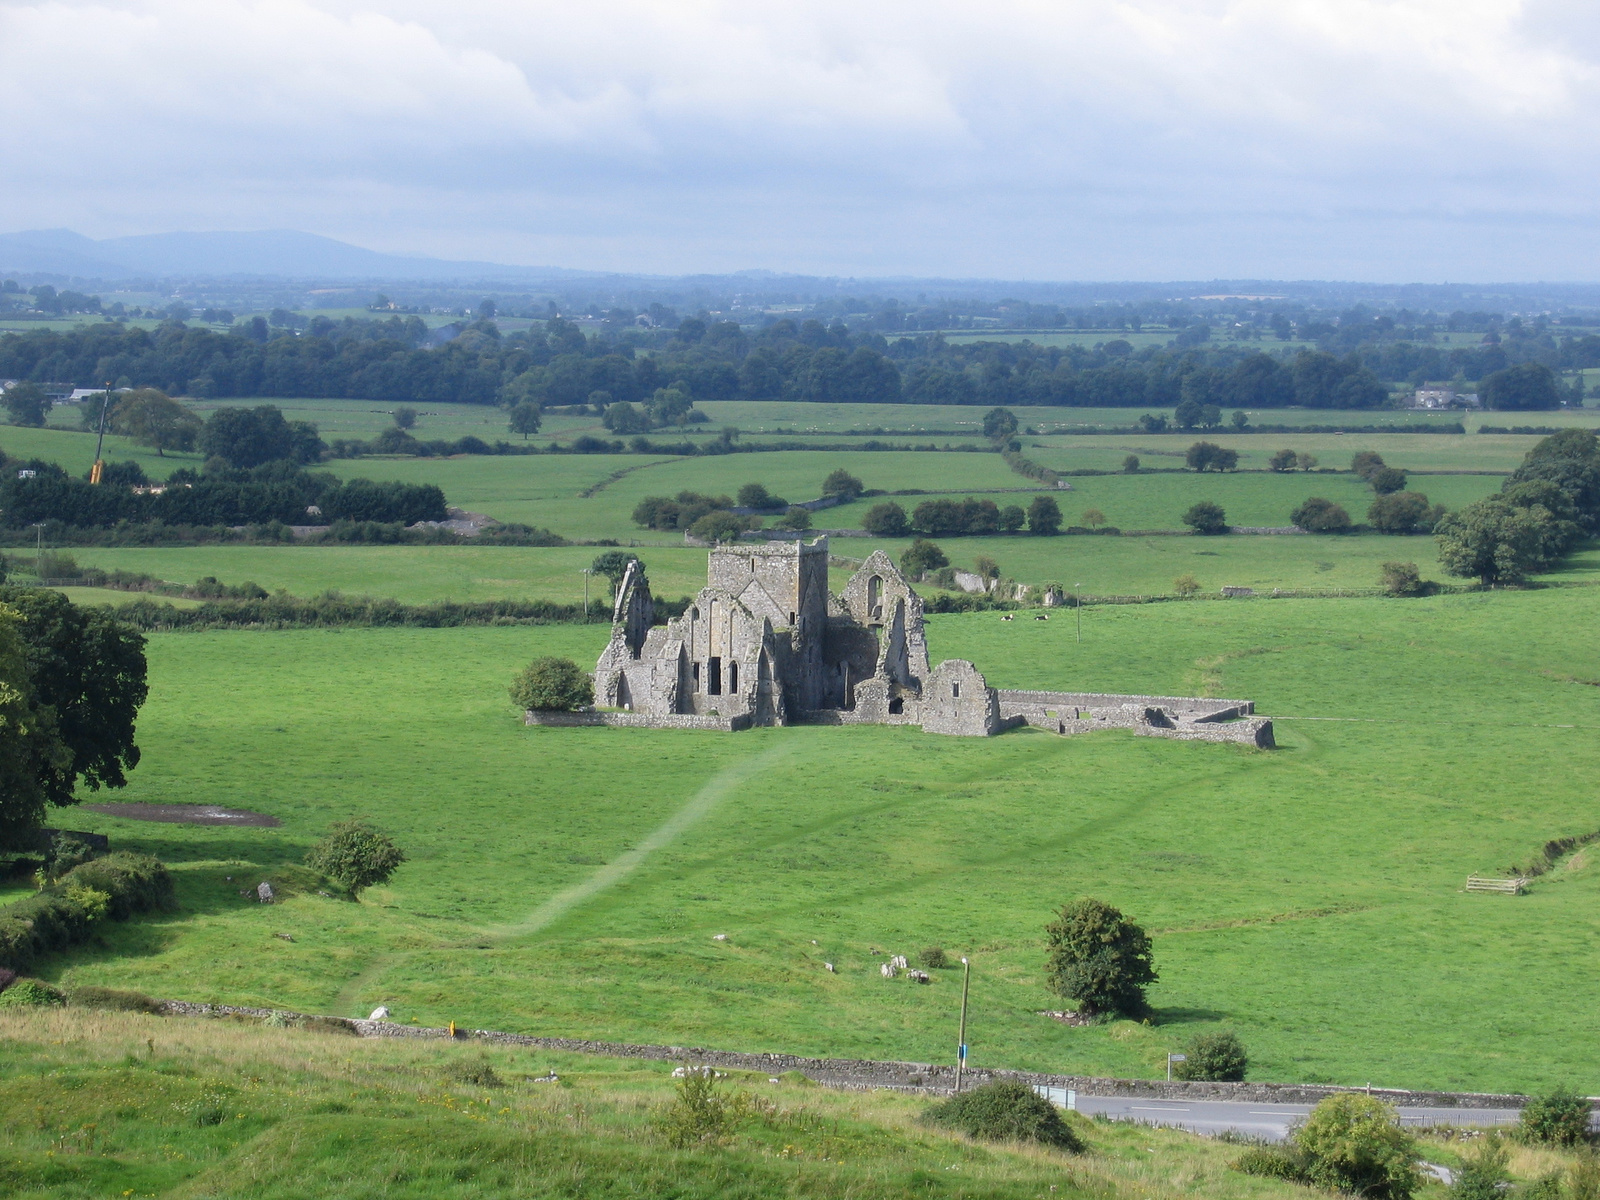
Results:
[571, 881]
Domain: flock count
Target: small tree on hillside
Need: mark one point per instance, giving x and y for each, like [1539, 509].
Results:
[152, 418]
[1044, 516]
[1208, 456]
[1306, 462]
[1493, 540]
[1012, 518]
[1403, 579]
[1400, 513]
[1185, 585]
[1366, 462]
[921, 557]
[1206, 518]
[1130, 465]
[886, 520]
[27, 403]
[552, 685]
[1283, 460]
[1099, 959]
[796, 518]
[613, 564]
[405, 417]
[1319, 515]
[999, 424]
[1093, 518]
[525, 419]
[356, 856]
[842, 484]
[1387, 480]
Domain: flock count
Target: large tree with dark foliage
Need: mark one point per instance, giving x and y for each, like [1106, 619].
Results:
[1528, 386]
[86, 677]
[251, 437]
[1570, 460]
[1099, 958]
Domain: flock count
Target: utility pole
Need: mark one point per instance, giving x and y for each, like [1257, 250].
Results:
[586, 573]
[38, 553]
[961, 1038]
[1078, 587]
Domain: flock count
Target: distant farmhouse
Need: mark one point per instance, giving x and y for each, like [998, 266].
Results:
[765, 643]
[1444, 398]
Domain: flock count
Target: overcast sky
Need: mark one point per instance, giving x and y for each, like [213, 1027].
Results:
[1031, 139]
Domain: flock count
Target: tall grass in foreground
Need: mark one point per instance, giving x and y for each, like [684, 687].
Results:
[96, 1103]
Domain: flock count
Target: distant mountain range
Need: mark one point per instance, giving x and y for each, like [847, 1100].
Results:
[266, 254]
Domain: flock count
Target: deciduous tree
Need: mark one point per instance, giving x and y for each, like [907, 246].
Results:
[1099, 958]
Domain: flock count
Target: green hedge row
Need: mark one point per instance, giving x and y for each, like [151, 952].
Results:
[53, 920]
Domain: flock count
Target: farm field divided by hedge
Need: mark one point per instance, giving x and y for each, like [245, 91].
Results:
[1309, 897]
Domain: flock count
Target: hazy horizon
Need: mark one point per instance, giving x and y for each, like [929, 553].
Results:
[1153, 140]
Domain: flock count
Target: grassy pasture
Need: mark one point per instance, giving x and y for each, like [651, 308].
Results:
[571, 881]
[116, 1104]
[1117, 566]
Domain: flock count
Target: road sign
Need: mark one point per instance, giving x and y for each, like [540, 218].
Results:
[961, 1052]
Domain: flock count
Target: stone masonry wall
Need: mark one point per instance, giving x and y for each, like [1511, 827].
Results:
[905, 1076]
[630, 720]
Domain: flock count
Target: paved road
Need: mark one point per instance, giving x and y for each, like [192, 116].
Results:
[1269, 1121]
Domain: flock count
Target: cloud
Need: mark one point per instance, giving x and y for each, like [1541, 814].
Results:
[1170, 136]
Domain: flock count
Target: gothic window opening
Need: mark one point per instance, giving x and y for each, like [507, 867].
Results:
[714, 677]
[733, 678]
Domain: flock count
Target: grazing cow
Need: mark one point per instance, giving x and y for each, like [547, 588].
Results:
[1008, 617]
[1041, 616]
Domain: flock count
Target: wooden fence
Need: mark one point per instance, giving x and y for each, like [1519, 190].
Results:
[1509, 887]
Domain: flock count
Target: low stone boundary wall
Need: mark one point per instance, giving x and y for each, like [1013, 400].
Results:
[1020, 697]
[630, 720]
[901, 1076]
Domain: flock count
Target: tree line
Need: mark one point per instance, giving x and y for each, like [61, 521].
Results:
[661, 374]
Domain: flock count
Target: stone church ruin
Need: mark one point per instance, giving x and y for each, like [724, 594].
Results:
[766, 643]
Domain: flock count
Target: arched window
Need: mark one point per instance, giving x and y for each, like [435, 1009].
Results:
[875, 597]
[733, 677]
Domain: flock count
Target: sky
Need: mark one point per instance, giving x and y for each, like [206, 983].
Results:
[1383, 140]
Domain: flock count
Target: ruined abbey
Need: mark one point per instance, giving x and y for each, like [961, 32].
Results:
[766, 643]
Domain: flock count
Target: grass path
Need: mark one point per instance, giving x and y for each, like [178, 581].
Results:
[715, 790]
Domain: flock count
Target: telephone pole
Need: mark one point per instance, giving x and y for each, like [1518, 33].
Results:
[961, 1038]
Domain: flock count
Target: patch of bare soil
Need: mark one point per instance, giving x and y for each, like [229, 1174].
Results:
[185, 814]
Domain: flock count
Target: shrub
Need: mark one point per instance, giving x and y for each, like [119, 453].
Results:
[1482, 1171]
[723, 526]
[1130, 464]
[1318, 515]
[795, 518]
[842, 484]
[1366, 463]
[553, 685]
[886, 520]
[355, 855]
[697, 1114]
[1099, 958]
[1006, 1111]
[1185, 585]
[1401, 579]
[1217, 1057]
[921, 557]
[113, 999]
[1401, 512]
[1388, 480]
[1558, 1118]
[1354, 1144]
[92, 901]
[934, 958]
[65, 853]
[1583, 1180]
[1208, 456]
[1206, 518]
[31, 993]
[755, 495]
[1044, 516]
[1283, 460]
[1012, 518]
[477, 1071]
[1274, 1162]
[134, 883]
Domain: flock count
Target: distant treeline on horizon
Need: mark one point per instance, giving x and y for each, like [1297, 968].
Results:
[555, 363]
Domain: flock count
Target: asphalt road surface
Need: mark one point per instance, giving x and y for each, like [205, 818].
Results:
[1269, 1121]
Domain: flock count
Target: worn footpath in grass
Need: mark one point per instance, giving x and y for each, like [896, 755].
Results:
[1309, 897]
